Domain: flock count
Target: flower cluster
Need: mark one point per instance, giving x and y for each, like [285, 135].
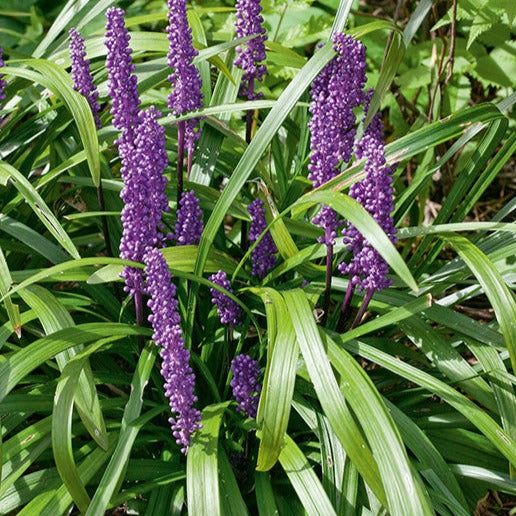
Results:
[244, 384]
[250, 55]
[367, 268]
[185, 79]
[189, 223]
[228, 310]
[334, 93]
[175, 369]
[122, 83]
[143, 194]
[2, 82]
[264, 254]
[81, 74]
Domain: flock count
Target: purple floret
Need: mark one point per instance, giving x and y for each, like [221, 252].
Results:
[179, 378]
[81, 74]
[251, 54]
[244, 384]
[263, 256]
[228, 310]
[367, 268]
[189, 223]
[122, 83]
[334, 93]
[185, 79]
[143, 194]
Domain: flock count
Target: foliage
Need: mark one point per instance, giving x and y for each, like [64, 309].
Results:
[411, 412]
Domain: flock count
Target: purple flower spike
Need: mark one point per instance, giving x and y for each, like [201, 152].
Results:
[189, 225]
[175, 368]
[81, 74]
[335, 92]
[122, 83]
[228, 310]
[245, 384]
[264, 254]
[2, 82]
[143, 195]
[367, 268]
[249, 23]
[185, 79]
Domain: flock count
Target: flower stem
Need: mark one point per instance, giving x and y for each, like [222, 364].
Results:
[345, 305]
[138, 305]
[363, 307]
[327, 290]
[180, 157]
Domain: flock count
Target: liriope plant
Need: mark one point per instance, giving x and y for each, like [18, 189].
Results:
[243, 203]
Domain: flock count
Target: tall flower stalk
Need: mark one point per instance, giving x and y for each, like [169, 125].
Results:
[245, 386]
[263, 256]
[336, 91]
[83, 83]
[179, 379]
[227, 309]
[367, 269]
[189, 223]
[186, 85]
[250, 57]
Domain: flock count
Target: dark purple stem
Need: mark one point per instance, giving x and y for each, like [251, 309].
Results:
[180, 157]
[248, 138]
[327, 291]
[345, 305]
[363, 307]
[189, 163]
[138, 305]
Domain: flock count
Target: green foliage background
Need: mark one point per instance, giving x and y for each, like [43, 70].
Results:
[412, 412]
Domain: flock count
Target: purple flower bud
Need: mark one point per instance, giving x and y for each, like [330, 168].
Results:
[143, 194]
[81, 74]
[264, 254]
[228, 310]
[245, 384]
[185, 79]
[122, 83]
[189, 225]
[335, 92]
[2, 82]
[367, 268]
[175, 369]
[251, 54]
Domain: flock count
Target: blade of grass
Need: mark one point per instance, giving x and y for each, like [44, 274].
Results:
[128, 432]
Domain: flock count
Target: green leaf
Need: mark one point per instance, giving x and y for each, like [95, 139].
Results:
[38, 205]
[62, 425]
[13, 311]
[57, 80]
[202, 477]
[304, 480]
[494, 287]
[403, 489]
[20, 363]
[280, 376]
[328, 391]
[129, 430]
[265, 495]
[54, 317]
[358, 216]
[461, 403]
